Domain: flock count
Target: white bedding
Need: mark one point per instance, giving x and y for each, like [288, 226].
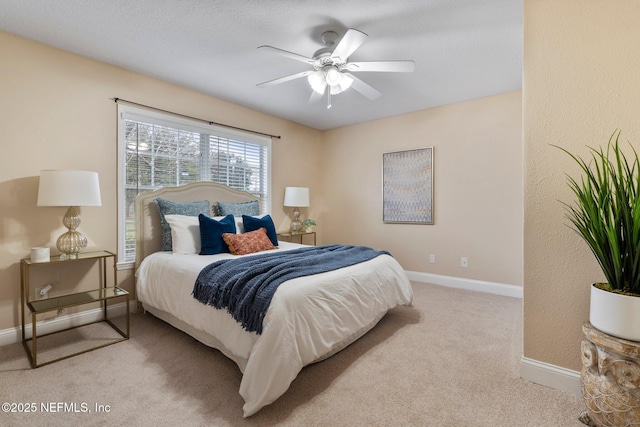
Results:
[309, 318]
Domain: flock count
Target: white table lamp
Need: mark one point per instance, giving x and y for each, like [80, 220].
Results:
[296, 197]
[71, 188]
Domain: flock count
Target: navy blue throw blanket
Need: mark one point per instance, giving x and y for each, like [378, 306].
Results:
[245, 286]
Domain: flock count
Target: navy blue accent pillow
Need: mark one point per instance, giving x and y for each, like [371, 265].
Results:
[252, 223]
[211, 241]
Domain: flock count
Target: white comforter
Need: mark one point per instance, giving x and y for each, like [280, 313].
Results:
[309, 318]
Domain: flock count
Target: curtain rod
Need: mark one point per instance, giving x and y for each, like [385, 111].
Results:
[195, 118]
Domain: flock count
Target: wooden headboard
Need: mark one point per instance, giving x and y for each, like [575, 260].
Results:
[148, 230]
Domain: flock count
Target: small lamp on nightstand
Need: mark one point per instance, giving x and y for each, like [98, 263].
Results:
[69, 188]
[296, 197]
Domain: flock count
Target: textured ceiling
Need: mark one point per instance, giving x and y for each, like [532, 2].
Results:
[463, 49]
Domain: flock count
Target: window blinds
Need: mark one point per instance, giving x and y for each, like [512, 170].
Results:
[161, 151]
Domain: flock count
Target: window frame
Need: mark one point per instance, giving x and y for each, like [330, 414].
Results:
[126, 112]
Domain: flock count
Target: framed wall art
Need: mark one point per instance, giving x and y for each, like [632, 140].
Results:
[407, 186]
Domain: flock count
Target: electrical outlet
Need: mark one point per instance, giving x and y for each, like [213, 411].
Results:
[464, 262]
[432, 259]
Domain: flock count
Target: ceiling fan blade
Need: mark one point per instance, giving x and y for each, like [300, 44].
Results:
[285, 79]
[348, 44]
[383, 66]
[364, 88]
[288, 54]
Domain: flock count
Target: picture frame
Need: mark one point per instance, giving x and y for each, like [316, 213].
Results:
[407, 186]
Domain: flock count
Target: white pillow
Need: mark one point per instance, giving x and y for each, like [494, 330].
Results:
[239, 223]
[185, 233]
[238, 220]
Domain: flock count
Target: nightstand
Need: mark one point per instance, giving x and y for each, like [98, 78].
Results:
[101, 294]
[290, 235]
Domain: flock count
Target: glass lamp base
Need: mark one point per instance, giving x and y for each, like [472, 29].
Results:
[296, 225]
[71, 242]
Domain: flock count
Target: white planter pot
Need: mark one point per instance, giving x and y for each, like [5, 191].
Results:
[615, 314]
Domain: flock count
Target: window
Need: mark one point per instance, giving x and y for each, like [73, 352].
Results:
[159, 150]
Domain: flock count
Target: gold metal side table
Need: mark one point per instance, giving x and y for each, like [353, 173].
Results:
[289, 235]
[101, 295]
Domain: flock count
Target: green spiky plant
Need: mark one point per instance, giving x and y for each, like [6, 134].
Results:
[606, 213]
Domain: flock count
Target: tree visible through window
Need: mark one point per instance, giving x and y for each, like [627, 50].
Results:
[159, 154]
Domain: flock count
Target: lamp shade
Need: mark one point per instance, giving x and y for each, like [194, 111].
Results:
[68, 188]
[296, 197]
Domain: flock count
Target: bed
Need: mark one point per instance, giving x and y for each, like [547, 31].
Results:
[309, 318]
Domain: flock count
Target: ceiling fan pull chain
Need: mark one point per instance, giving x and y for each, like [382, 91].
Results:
[328, 98]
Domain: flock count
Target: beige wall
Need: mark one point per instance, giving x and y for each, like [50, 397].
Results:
[477, 188]
[581, 82]
[57, 113]
[581, 62]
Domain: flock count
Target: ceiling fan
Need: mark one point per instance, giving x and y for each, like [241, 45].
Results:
[332, 72]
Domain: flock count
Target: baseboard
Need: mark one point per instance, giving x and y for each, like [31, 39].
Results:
[550, 376]
[14, 335]
[468, 284]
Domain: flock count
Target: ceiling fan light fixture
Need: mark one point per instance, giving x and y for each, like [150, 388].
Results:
[337, 81]
[333, 75]
[339, 88]
[345, 82]
[317, 81]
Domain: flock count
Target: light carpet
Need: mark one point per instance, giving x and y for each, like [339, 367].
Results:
[451, 360]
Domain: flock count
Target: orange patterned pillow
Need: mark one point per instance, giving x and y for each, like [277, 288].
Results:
[248, 243]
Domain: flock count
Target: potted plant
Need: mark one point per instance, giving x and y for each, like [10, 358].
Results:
[606, 214]
[308, 224]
